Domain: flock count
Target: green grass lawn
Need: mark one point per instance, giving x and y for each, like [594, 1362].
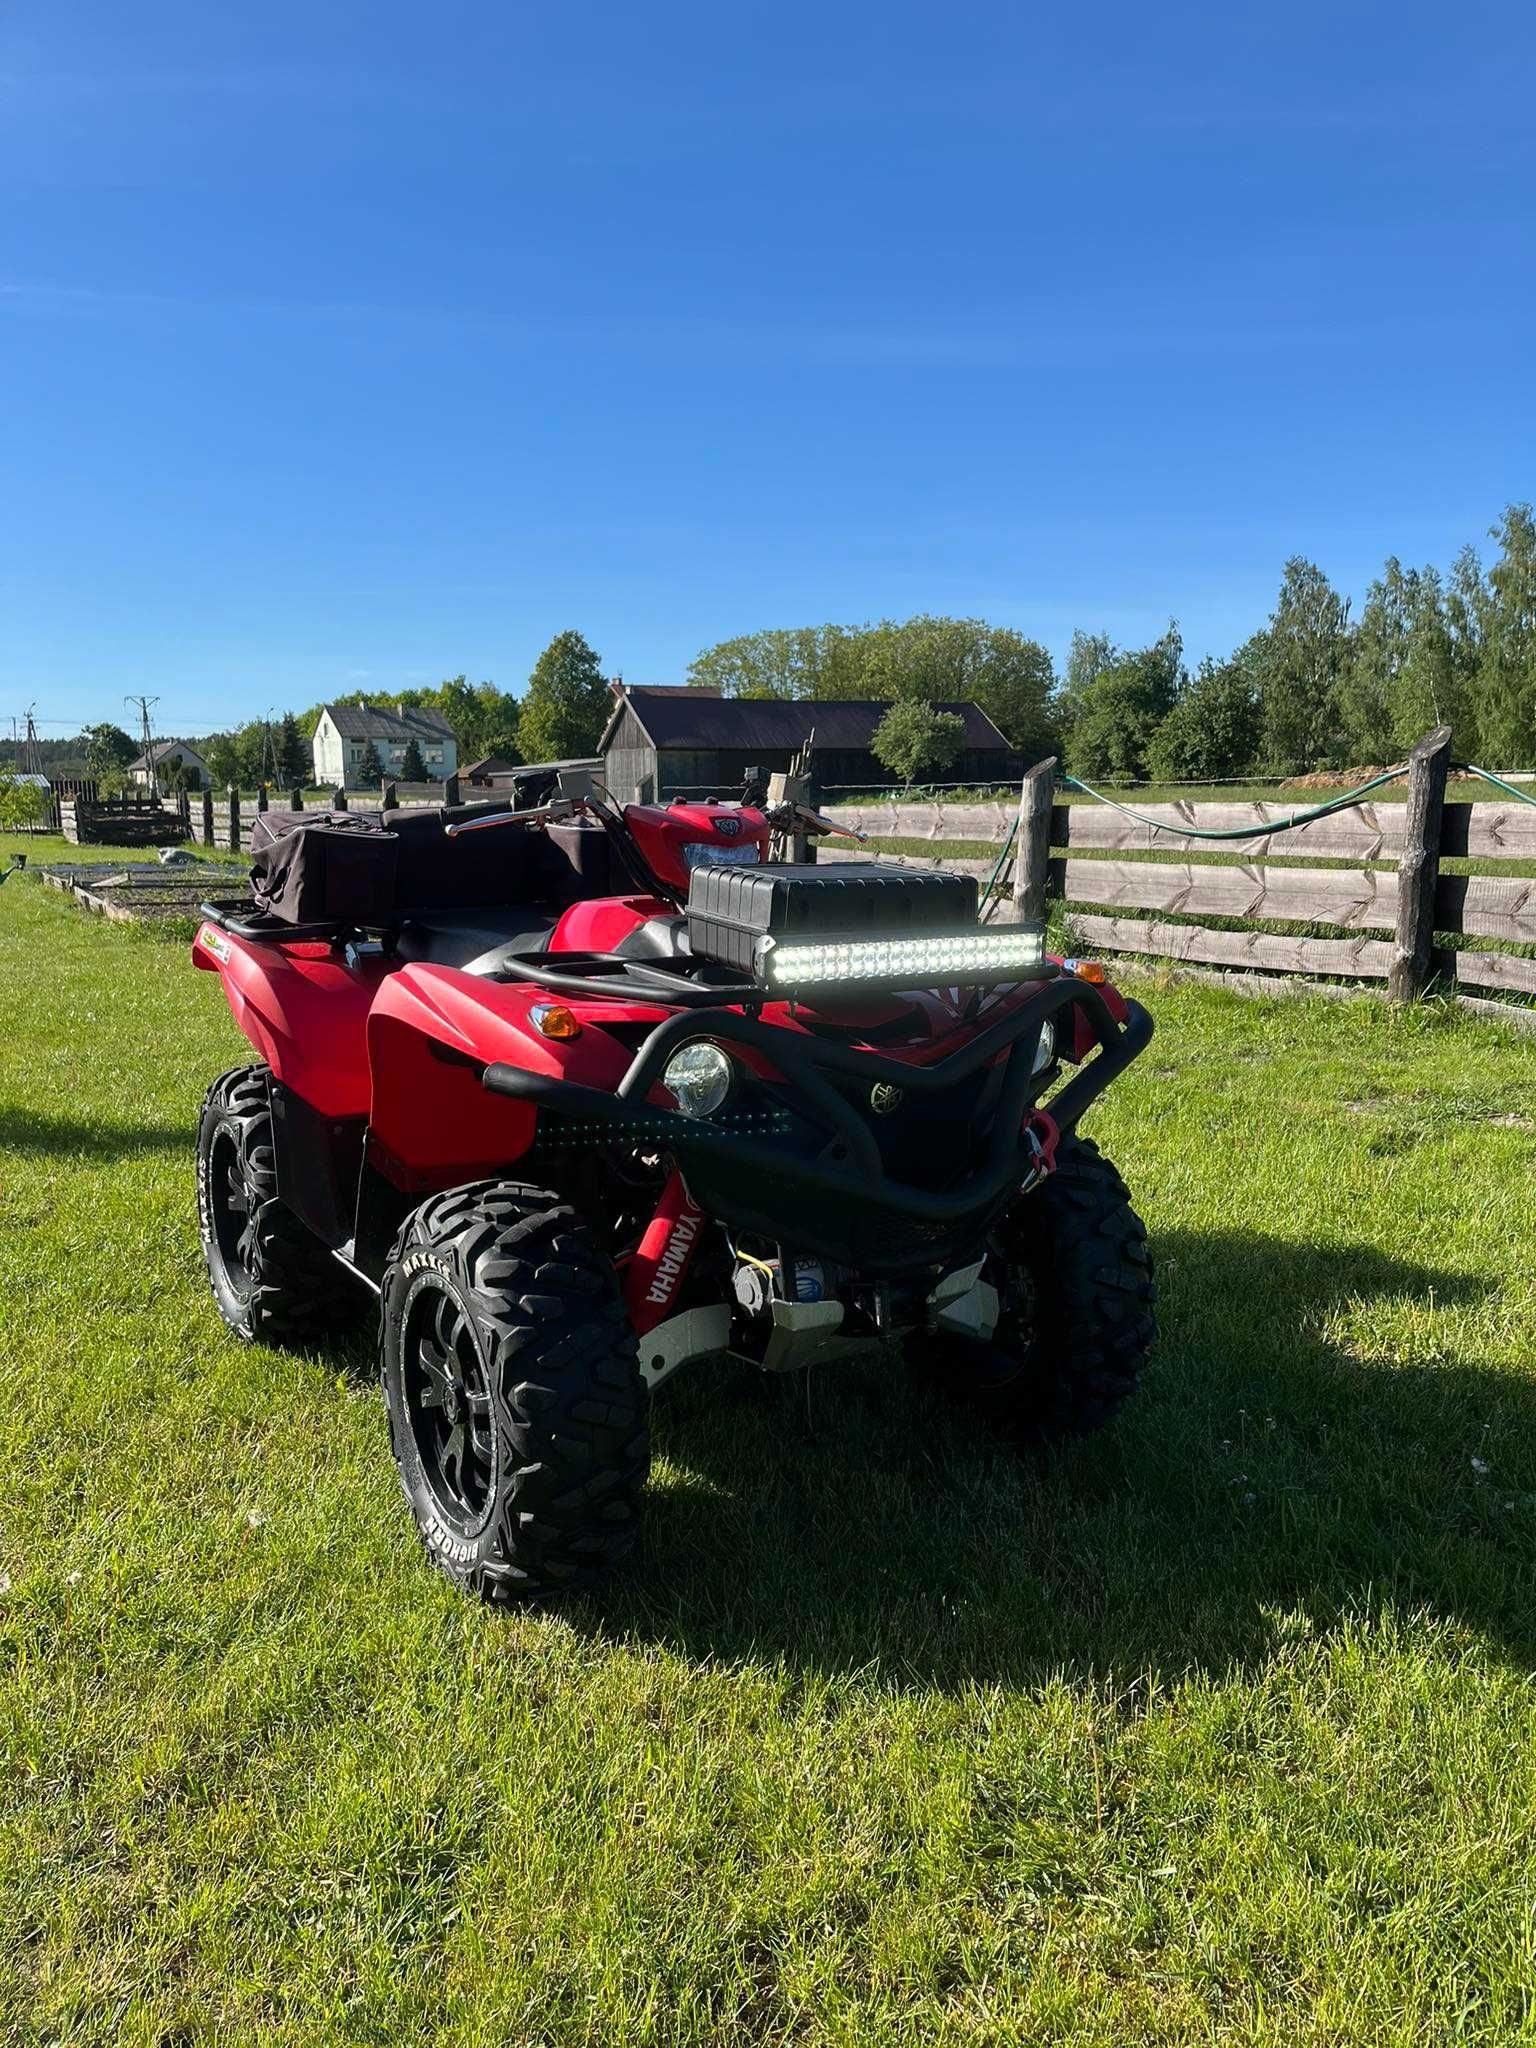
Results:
[1218, 1728]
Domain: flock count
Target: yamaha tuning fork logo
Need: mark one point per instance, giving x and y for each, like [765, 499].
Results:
[728, 827]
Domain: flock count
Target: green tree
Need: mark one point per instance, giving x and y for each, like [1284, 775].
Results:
[1368, 686]
[792, 661]
[295, 758]
[412, 767]
[940, 660]
[256, 750]
[1090, 655]
[567, 704]
[1505, 688]
[1429, 689]
[1466, 596]
[107, 747]
[21, 803]
[1404, 676]
[484, 719]
[371, 768]
[913, 736]
[223, 757]
[1123, 706]
[1301, 655]
[929, 657]
[1213, 728]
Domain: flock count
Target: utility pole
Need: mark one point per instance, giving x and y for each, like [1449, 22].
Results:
[146, 705]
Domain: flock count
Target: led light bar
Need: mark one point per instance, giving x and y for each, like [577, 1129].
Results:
[852, 925]
[932, 959]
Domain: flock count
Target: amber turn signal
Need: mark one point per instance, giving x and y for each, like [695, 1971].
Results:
[554, 1020]
[1086, 970]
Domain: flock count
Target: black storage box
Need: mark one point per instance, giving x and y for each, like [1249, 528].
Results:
[731, 909]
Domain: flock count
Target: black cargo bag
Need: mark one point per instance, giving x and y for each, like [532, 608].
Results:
[314, 866]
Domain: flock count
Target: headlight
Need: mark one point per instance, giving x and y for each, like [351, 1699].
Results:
[698, 1078]
[1045, 1051]
[920, 961]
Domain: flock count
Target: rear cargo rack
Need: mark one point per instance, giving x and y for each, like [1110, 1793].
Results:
[233, 914]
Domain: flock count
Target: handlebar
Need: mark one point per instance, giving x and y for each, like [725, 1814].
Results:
[782, 818]
[815, 822]
[558, 807]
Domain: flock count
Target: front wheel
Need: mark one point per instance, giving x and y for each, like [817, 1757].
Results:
[512, 1385]
[1075, 1306]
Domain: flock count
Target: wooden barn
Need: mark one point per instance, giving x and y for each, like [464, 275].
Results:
[664, 742]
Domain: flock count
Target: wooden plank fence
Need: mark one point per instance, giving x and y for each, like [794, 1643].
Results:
[226, 820]
[1391, 911]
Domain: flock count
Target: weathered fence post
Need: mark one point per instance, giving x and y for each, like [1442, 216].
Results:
[234, 819]
[262, 798]
[1418, 869]
[339, 798]
[1032, 856]
[389, 798]
[451, 792]
[184, 810]
[813, 797]
[208, 815]
[296, 798]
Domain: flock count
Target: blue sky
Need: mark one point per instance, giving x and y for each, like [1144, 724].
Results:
[346, 346]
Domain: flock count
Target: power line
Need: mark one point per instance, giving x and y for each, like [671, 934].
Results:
[190, 721]
[146, 705]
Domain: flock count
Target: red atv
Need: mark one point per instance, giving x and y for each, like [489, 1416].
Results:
[583, 1093]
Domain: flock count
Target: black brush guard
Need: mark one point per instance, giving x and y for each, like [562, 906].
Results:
[831, 1193]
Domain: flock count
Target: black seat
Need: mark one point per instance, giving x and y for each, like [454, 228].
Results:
[478, 940]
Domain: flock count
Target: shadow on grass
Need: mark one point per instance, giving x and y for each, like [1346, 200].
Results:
[1263, 1483]
[26, 1130]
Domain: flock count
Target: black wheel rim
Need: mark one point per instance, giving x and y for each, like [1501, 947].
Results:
[232, 1212]
[448, 1406]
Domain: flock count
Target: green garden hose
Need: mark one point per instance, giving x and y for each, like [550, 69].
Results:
[1255, 831]
[1509, 789]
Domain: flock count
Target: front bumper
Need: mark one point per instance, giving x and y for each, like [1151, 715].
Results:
[830, 1191]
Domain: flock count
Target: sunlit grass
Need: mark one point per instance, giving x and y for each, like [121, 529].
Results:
[1220, 1727]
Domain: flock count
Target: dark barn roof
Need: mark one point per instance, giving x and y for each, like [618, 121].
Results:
[678, 718]
[372, 722]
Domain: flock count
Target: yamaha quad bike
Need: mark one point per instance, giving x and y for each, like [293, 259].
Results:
[581, 1093]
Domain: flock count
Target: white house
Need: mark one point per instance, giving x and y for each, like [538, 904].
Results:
[346, 731]
[166, 755]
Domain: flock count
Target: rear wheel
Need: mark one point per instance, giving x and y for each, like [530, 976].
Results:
[513, 1389]
[273, 1280]
[1075, 1306]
